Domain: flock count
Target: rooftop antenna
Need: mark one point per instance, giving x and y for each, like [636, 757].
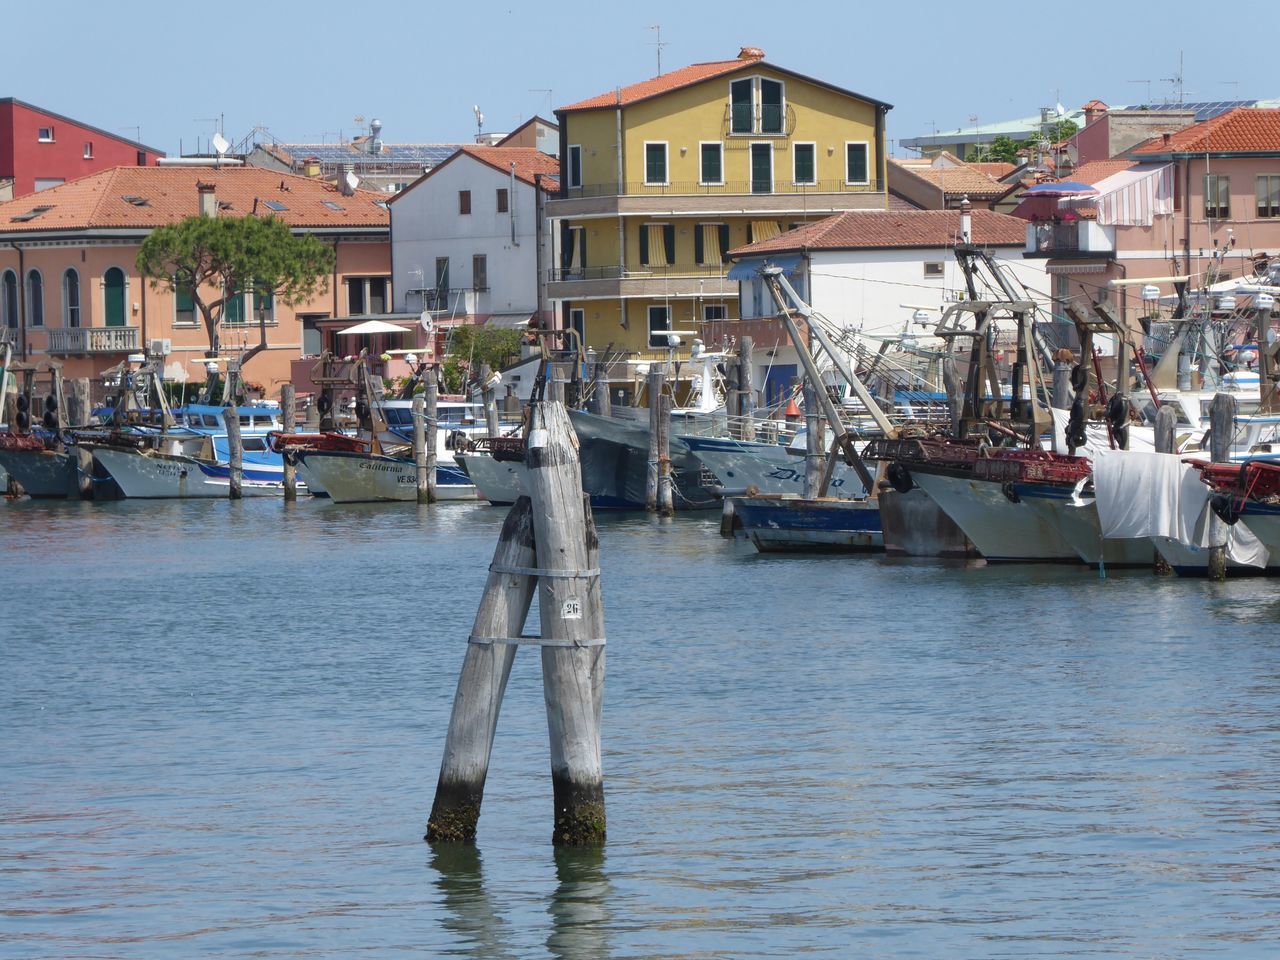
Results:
[657, 42]
[1148, 83]
[1176, 79]
[479, 120]
[547, 91]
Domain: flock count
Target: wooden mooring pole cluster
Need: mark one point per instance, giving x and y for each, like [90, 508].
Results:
[548, 542]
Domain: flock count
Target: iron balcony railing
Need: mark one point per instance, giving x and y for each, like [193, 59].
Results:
[730, 188]
[78, 340]
[636, 272]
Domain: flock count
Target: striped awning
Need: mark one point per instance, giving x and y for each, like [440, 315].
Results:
[1075, 267]
[1130, 198]
[765, 230]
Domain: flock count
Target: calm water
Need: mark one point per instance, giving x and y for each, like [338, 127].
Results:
[222, 726]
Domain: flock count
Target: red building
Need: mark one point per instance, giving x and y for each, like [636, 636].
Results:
[39, 149]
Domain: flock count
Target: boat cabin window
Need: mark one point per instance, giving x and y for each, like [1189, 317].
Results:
[246, 420]
[210, 421]
[254, 444]
[399, 417]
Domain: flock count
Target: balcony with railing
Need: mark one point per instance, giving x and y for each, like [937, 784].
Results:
[692, 196]
[74, 341]
[1069, 238]
[633, 280]
[447, 301]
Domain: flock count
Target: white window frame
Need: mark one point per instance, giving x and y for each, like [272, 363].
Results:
[196, 318]
[66, 300]
[711, 143]
[666, 342]
[795, 180]
[666, 163]
[88, 150]
[751, 167]
[45, 134]
[757, 108]
[6, 320]
[708, 307]
[573, 148]
[940, 268]
[866, 145]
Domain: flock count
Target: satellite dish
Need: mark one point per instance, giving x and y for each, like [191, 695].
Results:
[351, 180]
[425, 321]
[220, 145]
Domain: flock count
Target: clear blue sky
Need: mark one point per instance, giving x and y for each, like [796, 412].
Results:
[306, 70]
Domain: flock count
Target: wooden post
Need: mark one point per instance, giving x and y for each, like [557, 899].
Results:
[572, 620]
[313, 415]
[80, 412]
[814, 437]
[657, 376]
[490, 397]
[236, 452]
[289, 415]
[432, 437]
[747, 405]
[666, 496]
[1166, 421]
[483, 681]
[555, 383]
[1222, 423]
[420, 448]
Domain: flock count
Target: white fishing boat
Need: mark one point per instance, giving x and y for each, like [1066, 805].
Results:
[153, 475]
[356, 477]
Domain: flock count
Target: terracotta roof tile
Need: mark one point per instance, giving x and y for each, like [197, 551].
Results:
[1091, 173]
[1243, 130]
[995, 170]
[162, 195]
[878, 229]
[527, 161]
[663, 83]
[960, 180]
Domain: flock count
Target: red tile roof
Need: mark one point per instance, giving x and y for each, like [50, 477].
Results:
[960, 180]
[663, 83]
[879, 229]
[162, 195]
[526, 160]
[1091, 173]
[1243, 130]
[995, 170]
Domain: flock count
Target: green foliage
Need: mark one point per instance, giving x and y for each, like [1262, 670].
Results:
[227, 254]
[471, 347]
[1006, 149]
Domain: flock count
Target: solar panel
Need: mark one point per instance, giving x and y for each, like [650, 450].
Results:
[1204, 110]
[418, 154]
[275, 205]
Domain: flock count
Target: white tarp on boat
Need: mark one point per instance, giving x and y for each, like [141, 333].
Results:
[1157, 495]
[1096, 438]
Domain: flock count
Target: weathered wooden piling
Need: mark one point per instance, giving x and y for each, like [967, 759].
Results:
[235, 450]
[432, 436]
[1222, 424]
[420, 448]
[1166, 422]
[814, 436]
[746, 388]
[572, 619]
[483, 681]
[288, 416]
[666, 483]
[657, 377]
[79, 412]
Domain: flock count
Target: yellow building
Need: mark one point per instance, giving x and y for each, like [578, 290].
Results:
[658, 180]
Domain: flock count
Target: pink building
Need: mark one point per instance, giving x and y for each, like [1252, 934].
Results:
[1162, 209]
[70, 289]
[40, 149]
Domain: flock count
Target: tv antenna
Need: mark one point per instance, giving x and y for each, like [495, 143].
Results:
[479, 120]
[547, 91]
[1148, 83]
[1176, 79]
[657, 42]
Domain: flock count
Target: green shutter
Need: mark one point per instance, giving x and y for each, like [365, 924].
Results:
[655, 163]
[233, 308]
[712, 163]
[644, 245]
[770, 106]
[804, 163]
[857, 163]
[669, 241]
[741, 108]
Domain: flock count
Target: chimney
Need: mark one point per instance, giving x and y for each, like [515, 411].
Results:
[208, 201]
[375, 137]
[966, 221]
[1094, 110]
[750, 53]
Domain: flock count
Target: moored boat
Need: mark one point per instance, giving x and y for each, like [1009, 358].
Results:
[781, 524]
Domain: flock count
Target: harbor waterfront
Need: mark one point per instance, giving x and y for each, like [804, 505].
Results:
[224, 723]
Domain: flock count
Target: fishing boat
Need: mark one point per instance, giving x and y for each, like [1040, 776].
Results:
[793, 524]
[35, 461]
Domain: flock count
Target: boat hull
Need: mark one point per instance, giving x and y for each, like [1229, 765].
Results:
[769, 467]
[43, 474]
[370, 478]
[1001, 530]
[915, 526]
[790, 525]
[160, 476]
[1263, 521]
[500, 482]
[1079, 525]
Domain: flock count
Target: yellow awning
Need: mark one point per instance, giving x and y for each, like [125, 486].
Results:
[764, 230]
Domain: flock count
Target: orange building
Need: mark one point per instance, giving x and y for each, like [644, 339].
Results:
[70, 290]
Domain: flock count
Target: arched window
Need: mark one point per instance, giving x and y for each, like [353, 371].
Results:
[113, 297]
[71, 298]
[9, 299]
[35, 299]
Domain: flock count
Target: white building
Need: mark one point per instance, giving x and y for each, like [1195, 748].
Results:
[871, 270]
[469, 238]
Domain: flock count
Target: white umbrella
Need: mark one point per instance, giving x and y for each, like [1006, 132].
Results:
[373, 326]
